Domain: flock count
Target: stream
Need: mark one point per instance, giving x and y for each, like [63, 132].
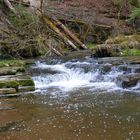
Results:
[75, 99]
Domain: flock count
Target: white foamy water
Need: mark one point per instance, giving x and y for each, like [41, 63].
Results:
[66, 79]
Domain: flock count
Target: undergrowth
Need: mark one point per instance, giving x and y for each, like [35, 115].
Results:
[24, 37]
[131, 52]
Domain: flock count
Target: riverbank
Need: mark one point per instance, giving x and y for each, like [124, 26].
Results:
[14, 79]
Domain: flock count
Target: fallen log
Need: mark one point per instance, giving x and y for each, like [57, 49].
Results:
[68, 32]
[52, 25]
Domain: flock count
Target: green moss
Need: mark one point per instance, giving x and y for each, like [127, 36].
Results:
[21, 69]
[11, 63]
[9, 84]
[131, 52]
[26, 82]
[90, 45]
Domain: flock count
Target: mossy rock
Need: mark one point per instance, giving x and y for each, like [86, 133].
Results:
[26, 82]
[11, 70]
[26, 88]
[9, 84]
[20, 69]
[12, 63]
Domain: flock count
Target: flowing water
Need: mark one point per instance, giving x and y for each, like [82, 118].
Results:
[75, 99]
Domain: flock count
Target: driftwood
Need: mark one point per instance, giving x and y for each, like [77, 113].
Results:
[69, 33]
[52, 25]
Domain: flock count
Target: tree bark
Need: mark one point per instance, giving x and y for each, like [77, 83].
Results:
[69, 33]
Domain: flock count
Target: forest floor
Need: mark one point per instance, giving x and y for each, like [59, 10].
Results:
[102, 12]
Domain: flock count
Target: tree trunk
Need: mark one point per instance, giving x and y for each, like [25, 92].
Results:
[69, 33]
[47, 21]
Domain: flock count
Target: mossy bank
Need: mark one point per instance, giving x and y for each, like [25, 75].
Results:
[13, 77]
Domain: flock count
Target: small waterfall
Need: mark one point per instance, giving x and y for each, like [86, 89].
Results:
[75, 75]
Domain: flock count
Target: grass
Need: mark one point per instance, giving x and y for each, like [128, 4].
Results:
[130, 52]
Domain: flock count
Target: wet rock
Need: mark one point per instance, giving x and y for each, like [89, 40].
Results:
[10, 95]
[134, 60]
[127, 81]
[130, 68]
[38, 71]
[106, 68]
[18, 83]
[9, 84]
[113, 60]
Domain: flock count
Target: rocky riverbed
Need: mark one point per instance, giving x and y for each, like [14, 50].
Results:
[14, 79]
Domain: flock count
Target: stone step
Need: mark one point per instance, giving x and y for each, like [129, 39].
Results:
[26, 88]
[7, 91]
[11, 70]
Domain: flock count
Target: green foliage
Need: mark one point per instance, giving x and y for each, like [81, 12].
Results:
[134, 14]
[131, 52]
[25, 36]
[90, 45]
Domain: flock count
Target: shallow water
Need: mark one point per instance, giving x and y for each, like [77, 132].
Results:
[74, 100]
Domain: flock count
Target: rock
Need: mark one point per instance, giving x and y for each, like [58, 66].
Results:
[118, 46]
[127, 81]
[10, 95]
[9, 84]
[8, 91]
[17, 82]
[25, 82]
[7, 71]
[106, 68]
[38, 71]
[130, 68]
